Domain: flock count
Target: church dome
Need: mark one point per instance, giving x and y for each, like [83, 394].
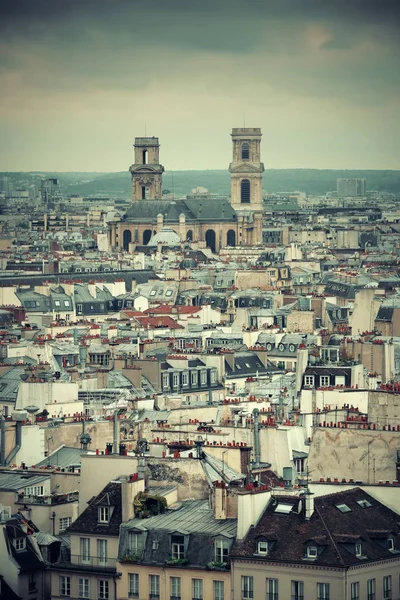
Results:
[165, 237]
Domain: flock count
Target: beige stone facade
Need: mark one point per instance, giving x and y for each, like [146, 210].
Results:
[216, 223]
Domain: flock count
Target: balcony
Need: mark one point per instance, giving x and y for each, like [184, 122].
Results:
[49, 500]
[154, 596]
[94, 563]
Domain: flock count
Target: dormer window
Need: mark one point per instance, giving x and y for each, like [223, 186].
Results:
[359, 550]
[104, 514]
[221, 549]
[262, 547]
[391, 546]
[312, 551]
[178, 546]
[20, 543]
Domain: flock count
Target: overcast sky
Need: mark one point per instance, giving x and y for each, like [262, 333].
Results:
[79, 79]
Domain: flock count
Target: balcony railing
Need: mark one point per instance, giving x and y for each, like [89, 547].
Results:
[94, 563]
[50, 500]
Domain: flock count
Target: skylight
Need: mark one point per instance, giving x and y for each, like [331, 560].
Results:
[343, 508]
[364, 503]
[284, 509]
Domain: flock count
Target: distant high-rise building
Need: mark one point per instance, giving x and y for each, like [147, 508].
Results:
[353, 186]
[50, 191]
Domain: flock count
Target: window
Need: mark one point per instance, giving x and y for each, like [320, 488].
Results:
[312, 551]
[245, 191]
[387, 587]
[343, 508]
[371, 589]
[135, 542]
[203, 377]
[56, 303]
[133, 582]
[83, 588]
[220, 551]
[177, 546]
[324, 381]
[165, 380]
[391, 545]
[194, 377]
[79, 308]
[66, 303]
[19, 543]
[104, 514]
[218, 590]
[323, 591]
[102, 551]
[185, 378]
[355, 591]
[154, 581]
[309, 380]
[85, 550]
[262, 548]
[364, 503]
[64, 522]
[197, 589]
[247, 587]
[103, 589]
[168, 293]
[213, 376]
[340, 380]
[297, 590]
[65, 586]
[245, 151]
[272, 589]
[175, 380]
[175, 588]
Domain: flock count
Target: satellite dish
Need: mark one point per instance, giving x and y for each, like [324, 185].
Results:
[31, 409]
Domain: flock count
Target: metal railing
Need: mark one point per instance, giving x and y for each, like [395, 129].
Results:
[50, 500]
[92, 563]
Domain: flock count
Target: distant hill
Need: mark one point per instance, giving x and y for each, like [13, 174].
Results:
[311, 181]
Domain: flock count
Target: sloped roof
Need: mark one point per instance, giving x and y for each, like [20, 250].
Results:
[330, 528]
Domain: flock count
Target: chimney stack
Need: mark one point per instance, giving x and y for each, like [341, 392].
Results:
[309, 504]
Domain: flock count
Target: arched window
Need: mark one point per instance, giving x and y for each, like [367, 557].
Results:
[245, 191]
[210, 239]
[231, 238]
[245, 151]
[189, 236]
[144, 157]
[146, 236]
[127, 238]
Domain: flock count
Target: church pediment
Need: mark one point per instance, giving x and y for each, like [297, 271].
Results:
[245, 168]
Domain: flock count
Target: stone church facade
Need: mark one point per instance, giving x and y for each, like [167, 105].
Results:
[215, 222]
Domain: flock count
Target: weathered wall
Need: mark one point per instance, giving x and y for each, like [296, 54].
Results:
[186, 473]
[362, 455]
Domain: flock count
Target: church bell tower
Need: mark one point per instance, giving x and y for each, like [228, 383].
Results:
[146, 171]
[246, 169]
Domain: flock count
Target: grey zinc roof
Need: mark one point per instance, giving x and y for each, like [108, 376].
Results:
[193, 209]
[63, 457]
[215, 470]
[9, 383]
[194, 516]
[15, 481]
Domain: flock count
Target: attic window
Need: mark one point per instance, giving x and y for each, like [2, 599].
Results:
[20, 543]
[391, 546]
[283, 509]
[359, 550]
[168, 293]
[312, 551]
[262, 548]
[153, 292]
[364, 503]
[343, 508]
[104, 514]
